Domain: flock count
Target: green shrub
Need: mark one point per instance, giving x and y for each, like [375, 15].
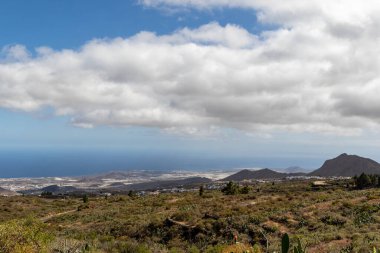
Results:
[201, 190]
[26, 235]
[193, 249]
[257, 220]
[85, 198]
[245, 189]
[131, 247]
[333, 220]
[362, 218]
[231, 188]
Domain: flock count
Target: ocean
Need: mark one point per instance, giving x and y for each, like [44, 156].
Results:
[46, 162]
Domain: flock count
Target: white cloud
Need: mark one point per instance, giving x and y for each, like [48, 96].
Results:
[15, 53]
[319, 72]
[287, 12]
[230, 36]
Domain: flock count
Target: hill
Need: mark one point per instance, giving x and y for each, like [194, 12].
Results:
[163, 184]
[5, 192]
[347, 166]
[58, 189]
[53, 189]
[255, 174]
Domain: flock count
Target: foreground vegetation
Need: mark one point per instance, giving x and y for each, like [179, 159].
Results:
[334, 218]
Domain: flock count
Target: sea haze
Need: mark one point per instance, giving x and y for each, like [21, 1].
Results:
[45, 162]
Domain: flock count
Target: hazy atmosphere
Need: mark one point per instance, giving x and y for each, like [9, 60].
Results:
[187, 83]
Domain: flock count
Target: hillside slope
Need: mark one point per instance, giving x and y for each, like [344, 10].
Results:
[5, 192]
[255, 174]
[163, 184]
[347, 166]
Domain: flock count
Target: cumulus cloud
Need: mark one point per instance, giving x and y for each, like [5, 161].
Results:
[15, 53]
[291, 11]
[318, 72]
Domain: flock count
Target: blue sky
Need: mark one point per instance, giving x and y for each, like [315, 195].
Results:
[198, 85]
[69, 24]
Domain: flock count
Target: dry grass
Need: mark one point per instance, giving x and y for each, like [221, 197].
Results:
[328, 220]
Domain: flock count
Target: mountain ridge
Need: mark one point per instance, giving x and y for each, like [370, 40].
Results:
[343, 165]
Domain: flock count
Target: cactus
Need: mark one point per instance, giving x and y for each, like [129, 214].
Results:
[285, 245]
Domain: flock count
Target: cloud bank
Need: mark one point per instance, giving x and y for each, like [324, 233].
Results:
[318, 72]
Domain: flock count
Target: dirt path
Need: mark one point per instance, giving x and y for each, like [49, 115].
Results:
[50, 216]
[180, 223]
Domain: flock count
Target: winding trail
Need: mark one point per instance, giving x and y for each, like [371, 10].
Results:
[50, 216]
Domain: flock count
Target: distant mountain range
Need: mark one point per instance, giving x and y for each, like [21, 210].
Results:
[342, 166]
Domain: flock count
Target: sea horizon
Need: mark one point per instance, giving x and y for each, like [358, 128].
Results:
[26, 163]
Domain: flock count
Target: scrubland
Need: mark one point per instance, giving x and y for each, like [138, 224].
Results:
[336, 218]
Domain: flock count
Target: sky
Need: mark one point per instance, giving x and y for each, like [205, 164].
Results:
[171, 84]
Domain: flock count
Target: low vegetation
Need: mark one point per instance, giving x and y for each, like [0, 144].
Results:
[366, 181]
[258, 217]
[24, 235]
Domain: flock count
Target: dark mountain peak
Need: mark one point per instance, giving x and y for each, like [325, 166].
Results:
[347, 166]
[58, 189]
[51, 188]
[245, 171]
[255, 174]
